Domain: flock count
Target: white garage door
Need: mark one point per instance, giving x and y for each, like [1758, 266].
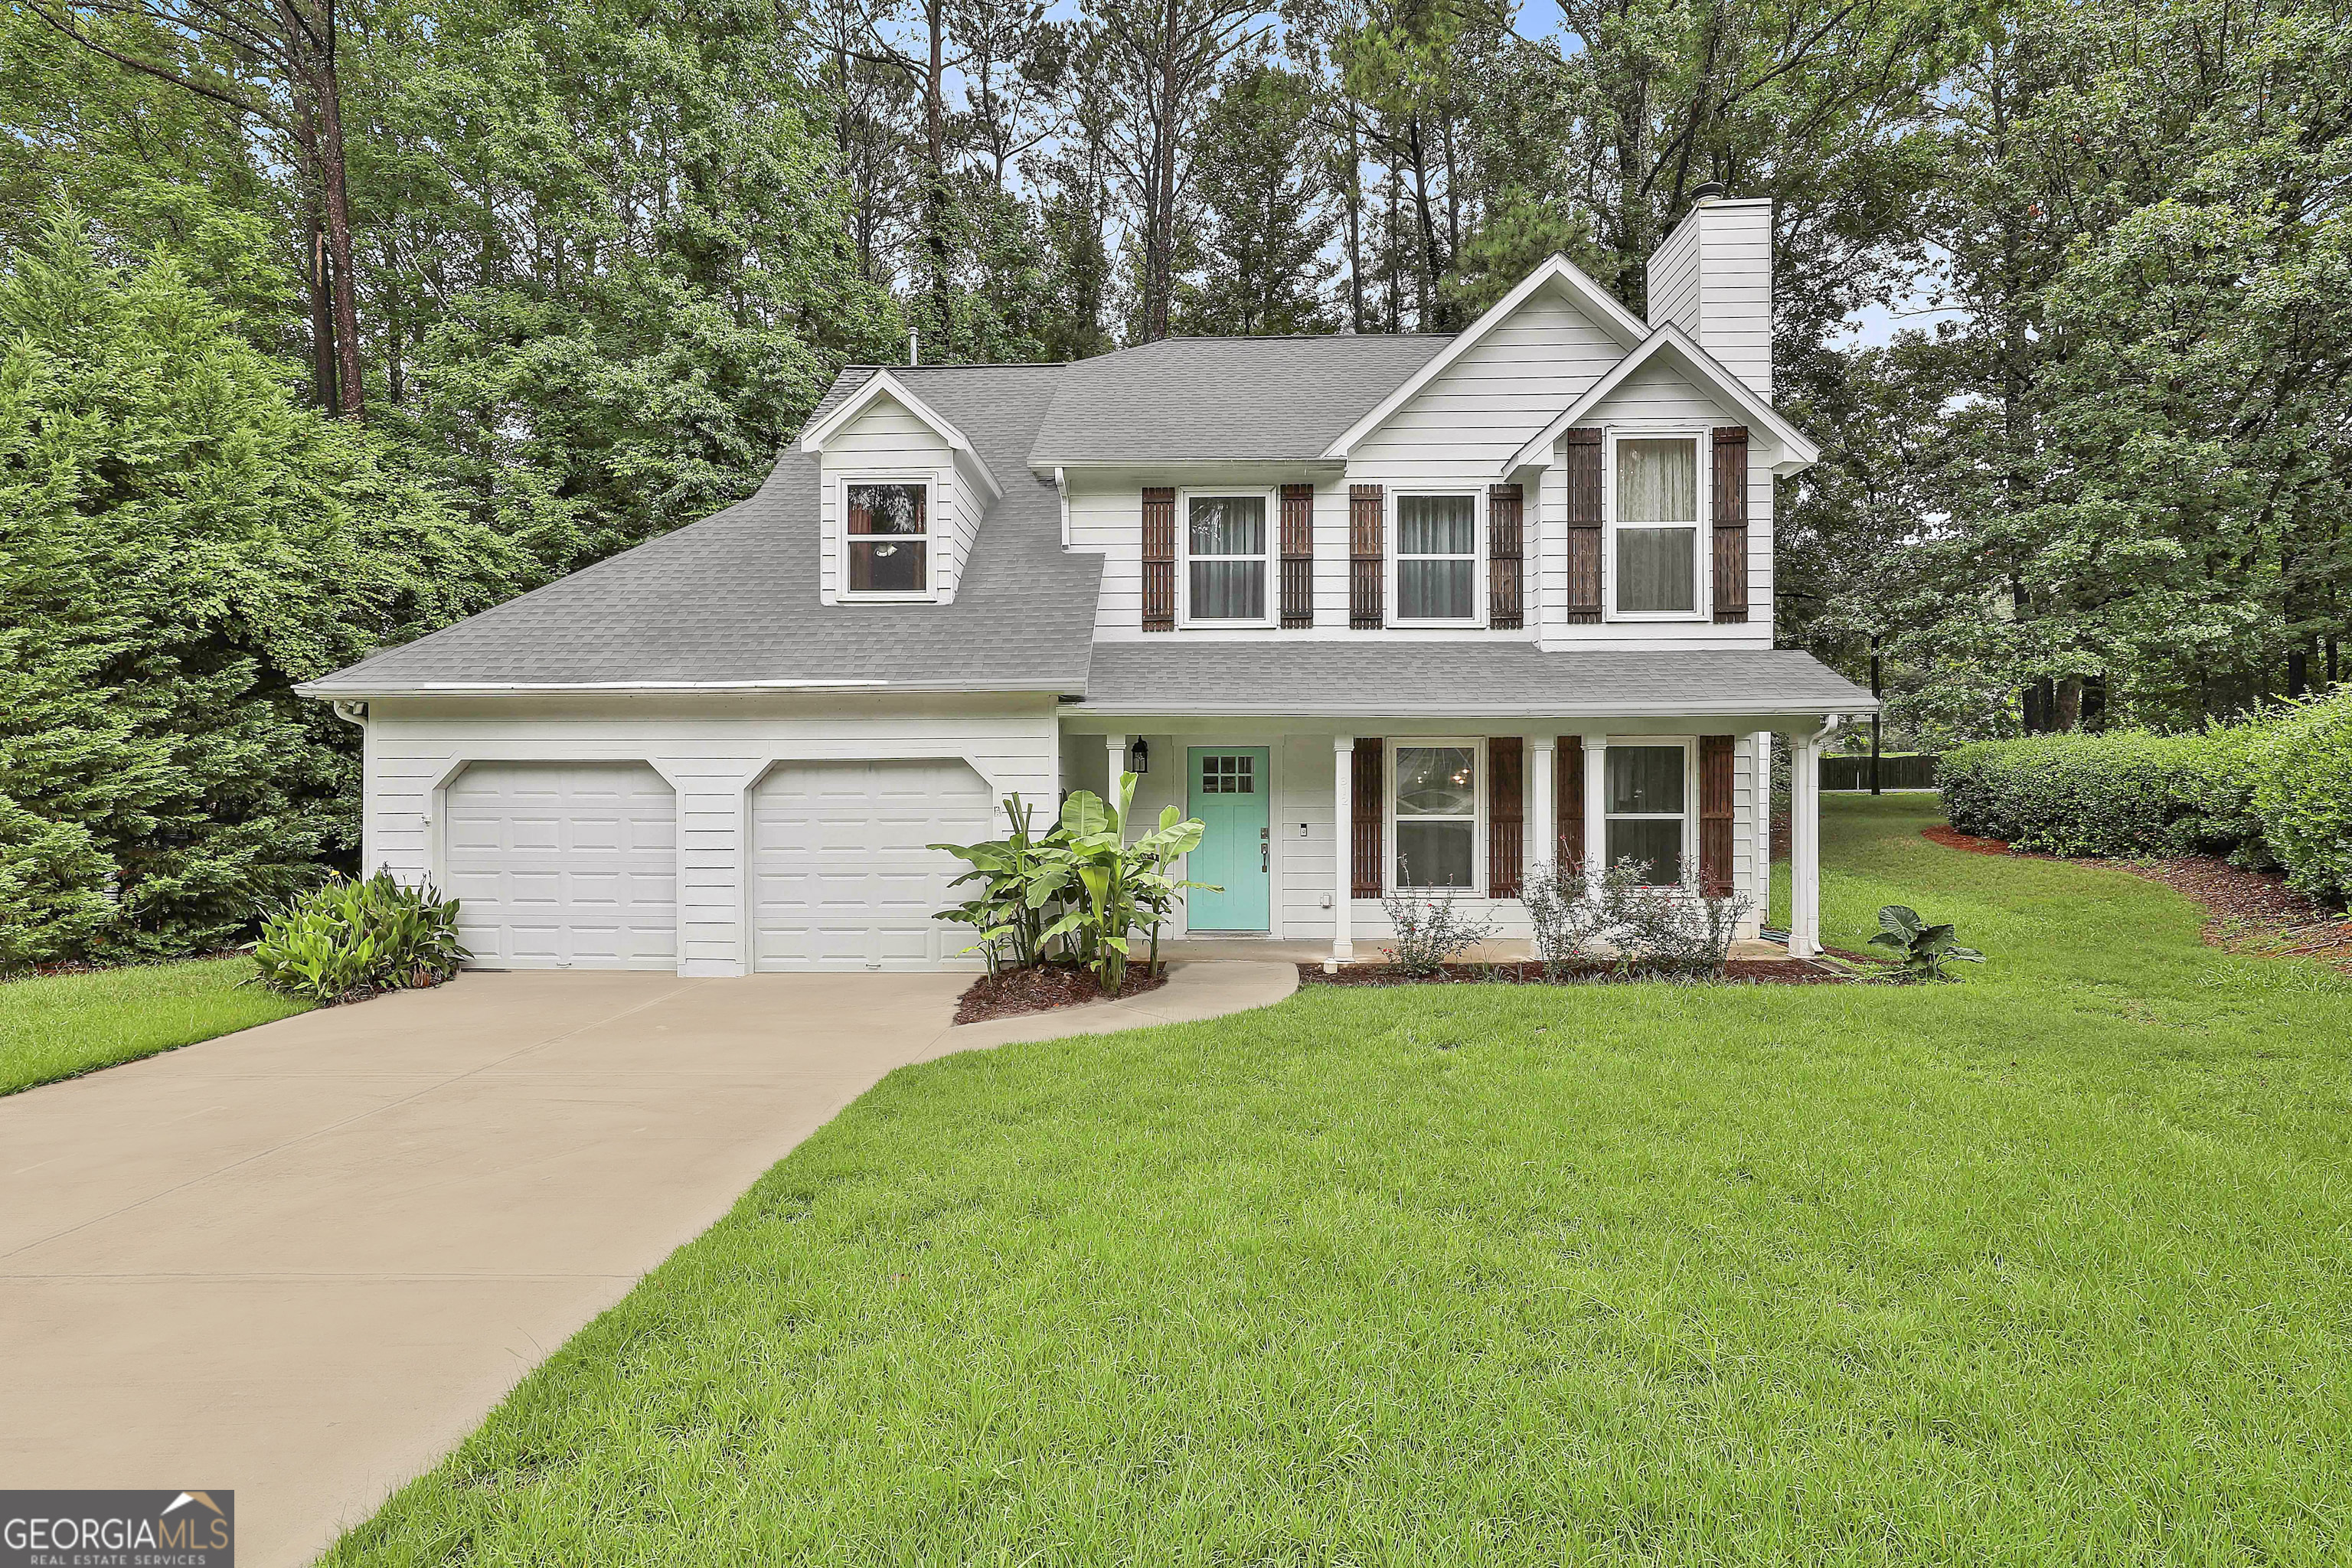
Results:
[840, 879]
[564, 864]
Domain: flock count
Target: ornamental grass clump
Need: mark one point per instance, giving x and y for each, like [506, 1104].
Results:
[348, 941]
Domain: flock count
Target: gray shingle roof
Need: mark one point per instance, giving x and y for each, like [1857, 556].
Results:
[1229, 399]
[1311, 678]
[733, 598]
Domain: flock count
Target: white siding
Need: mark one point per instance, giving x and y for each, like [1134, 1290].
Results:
[1713, 278]
[710, 752]
[1658, 394]
[886, 440]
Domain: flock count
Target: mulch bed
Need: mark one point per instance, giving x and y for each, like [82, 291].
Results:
[1015, 991]
[1528, 972]
[2243, 909]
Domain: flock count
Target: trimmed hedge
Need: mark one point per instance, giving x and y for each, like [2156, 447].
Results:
[2272, 791]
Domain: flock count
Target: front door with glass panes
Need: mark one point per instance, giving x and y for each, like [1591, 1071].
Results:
[1645, 797]
[1228, 796]
[1435, 840]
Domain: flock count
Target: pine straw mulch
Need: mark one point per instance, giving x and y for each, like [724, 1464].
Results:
[1041, 989]
[2245, 910]
[1847, 968]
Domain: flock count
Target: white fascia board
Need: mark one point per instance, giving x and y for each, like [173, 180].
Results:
[1596, 302]
[341, 693]
[885, 385]
[1649, 709]
[1797, 452]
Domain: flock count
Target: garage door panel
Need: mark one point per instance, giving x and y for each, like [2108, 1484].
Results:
[564, 864]
[841, 877]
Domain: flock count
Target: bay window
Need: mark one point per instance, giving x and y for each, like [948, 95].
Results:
[1434, 825]
[1645, 798]
[1226, 560]
[887, 537]
[1436, 559]
[1655, 566]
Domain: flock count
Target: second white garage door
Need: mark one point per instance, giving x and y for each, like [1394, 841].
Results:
[564, 864]
[840, 877]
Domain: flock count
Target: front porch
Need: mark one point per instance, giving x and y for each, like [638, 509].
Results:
[1312, 823]
[1274, 950]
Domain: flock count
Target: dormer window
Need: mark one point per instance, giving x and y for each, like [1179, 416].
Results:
[1227, 566]
[886, 537]
[1655, 568]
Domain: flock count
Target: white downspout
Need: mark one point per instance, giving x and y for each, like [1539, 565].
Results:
[353, 712]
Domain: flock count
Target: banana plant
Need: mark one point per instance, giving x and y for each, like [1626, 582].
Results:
[1122, 888]
[1008, 908]
[1923, 949]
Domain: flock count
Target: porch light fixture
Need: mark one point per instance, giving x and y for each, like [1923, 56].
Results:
[1138, 757]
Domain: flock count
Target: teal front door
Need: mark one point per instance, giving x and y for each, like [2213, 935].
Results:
[1228, 793]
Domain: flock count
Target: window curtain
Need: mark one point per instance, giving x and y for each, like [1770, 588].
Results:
[1436, 525]
[1227, 590]
[1657, 481]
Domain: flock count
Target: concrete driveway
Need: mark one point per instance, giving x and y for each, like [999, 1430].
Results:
[303, 1261]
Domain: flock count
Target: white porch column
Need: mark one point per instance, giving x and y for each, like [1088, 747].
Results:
[1343, 839]
[1115, 755]
[1596, 807]
[1762, 740]
[1543, 818]
[1804, 849]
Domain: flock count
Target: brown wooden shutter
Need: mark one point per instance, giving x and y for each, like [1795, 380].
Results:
[1365, 566]
[1298, 556]
[1505, 558]
[1159, 559]
[1506, 816]
[1714, 814]
[1568, 800]
[1364, 844]
[1583, 524]
[1731, 524]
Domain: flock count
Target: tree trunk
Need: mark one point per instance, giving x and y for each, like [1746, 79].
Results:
[322, 320]
[1877, 731]
[339, 233]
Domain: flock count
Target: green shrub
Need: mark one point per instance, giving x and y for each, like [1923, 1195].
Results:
[2069, 795]
[2302, 792]
[2275, 790]
[50, 877]
[347, 940]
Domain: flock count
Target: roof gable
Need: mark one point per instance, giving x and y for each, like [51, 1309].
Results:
[881, 384]
[1557, 273]
[1671, 346]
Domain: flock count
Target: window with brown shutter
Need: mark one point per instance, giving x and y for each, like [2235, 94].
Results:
[1506, 816]
[1366, 831]
[1583, 523]
[1298, 556]
[1364, 564]
[1159, 558]
[1505, 557]
[1715, 816]
[1731, 524]
[1568, 800]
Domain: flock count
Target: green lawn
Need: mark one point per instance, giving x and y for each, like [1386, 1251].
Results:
[2049, 1268]
[69, 1025]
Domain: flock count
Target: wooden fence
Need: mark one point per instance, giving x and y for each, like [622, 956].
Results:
[1911, 770]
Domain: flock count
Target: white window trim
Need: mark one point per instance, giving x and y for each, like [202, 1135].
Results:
[1477, 746]
[1703, 588]
[1184, 617]
[1689, 814]
[1478, 606]
[933, 536]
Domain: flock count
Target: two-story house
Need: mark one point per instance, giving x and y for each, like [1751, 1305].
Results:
[1387, 613]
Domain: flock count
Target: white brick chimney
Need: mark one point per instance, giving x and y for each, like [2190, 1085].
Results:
[1713, 278]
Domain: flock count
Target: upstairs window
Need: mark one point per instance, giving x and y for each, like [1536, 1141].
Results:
[1436, 559]
[1656, 569]
[1435, 826]
[1226, 560]
[886, 537]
